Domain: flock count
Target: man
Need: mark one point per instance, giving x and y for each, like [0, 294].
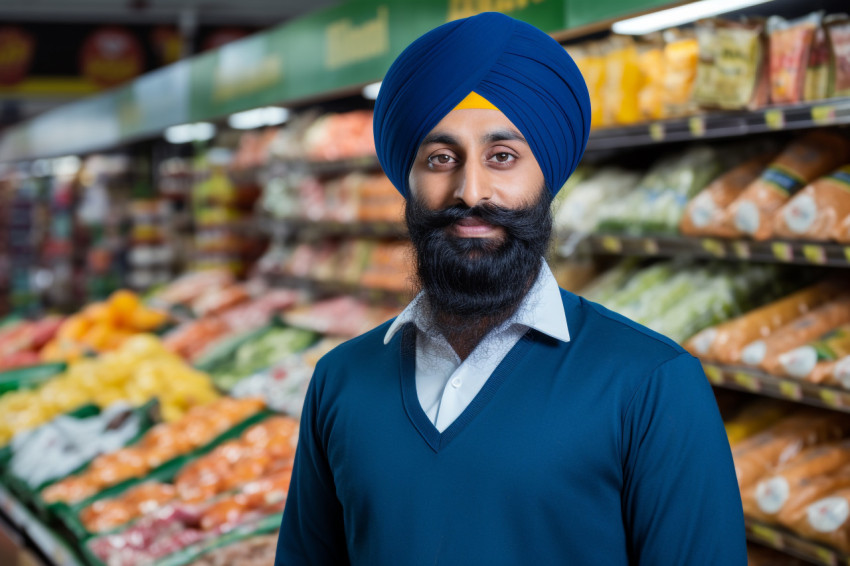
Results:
[500, 420]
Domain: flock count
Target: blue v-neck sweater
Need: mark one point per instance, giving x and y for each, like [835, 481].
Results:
[607, 450]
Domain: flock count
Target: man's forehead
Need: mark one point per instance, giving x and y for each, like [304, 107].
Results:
[485, 126]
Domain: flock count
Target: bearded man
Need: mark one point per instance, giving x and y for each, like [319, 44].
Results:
[500, 420]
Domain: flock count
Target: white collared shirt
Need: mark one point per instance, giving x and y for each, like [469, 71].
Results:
[445, 385]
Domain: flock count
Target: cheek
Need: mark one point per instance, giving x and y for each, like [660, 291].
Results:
[521, 188]
[434, 191]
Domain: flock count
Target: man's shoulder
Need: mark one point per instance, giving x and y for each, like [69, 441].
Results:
[620, 337]
[359, 350]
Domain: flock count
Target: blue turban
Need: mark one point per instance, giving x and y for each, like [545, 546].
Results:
[522, 71]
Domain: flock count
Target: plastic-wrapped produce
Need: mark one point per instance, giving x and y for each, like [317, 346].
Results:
[816, 360]
[827, 520]
[579, 211]
[253, 551]
[821, 211]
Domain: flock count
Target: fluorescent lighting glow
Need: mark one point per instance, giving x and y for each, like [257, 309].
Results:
[679, 15]
[258, 117]
[370, 92]
[185, 133]
[66, 166]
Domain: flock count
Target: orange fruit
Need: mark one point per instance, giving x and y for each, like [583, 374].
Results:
[74, 328]
[123, 304]
[145, 320]
[98, 313]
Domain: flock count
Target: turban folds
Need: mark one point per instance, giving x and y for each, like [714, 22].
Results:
[522, 71]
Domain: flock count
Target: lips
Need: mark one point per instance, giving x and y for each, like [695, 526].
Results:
[475, 228]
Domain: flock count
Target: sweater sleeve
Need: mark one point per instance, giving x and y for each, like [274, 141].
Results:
[312, 532]
[681, 504]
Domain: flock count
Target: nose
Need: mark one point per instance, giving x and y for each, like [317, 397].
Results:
[473, 188]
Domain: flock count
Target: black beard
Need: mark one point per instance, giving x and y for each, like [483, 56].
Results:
[473, 285]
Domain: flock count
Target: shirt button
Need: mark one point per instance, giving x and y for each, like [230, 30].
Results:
[456, 382]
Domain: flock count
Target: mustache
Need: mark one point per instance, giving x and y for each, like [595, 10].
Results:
[522, 223]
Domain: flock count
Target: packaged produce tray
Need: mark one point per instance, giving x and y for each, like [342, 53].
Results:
[68, 515]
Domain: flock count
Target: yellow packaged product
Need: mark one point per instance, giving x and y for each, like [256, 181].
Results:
[754, 418]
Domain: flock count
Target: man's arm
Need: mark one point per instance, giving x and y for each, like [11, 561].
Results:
[312, 531]
[681, 504]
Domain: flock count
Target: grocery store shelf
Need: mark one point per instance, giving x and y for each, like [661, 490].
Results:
[322, 228]
[724, 124]
[789, 543]
[322, 168]
[43, 538]
[328, 288]
[774, 251]
[789, 389]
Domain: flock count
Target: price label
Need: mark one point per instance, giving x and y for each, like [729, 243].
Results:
[714, 374]
[747, 381]
[714, 247]
[782, 251]
[657, 131]
[742, 250]
[791, 390]
[650, 246]
[826, 555]
[697, 126]
[814, 253]
[847, 254]
[612, 244]
[823, 114]
[774, 118]
[768, 535]
[830, 398]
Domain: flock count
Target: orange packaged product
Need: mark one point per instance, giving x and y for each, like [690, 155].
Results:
[801, 162]
[827, 520]
[810, 491]
[792, 487]
[725, 342]
[227, 511]
[762, 453]
[704, 214]
[765, 353]
[790, 45]
[821, 211]
[108, 514]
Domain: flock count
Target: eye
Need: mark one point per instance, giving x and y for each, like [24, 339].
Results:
[440, 160]
[503, 157]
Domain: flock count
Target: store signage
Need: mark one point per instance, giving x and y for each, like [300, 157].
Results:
[246, 67]
[464, 8]
[16, 52]
[347, 42]
[111, 56]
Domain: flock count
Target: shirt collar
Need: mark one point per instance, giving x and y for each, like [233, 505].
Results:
[542, 309]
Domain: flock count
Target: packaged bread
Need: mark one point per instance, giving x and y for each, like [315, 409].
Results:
[827, 520]
[817, 212]
[763, 453]
[704, 214]
[801, 162]
[724, 342]
[765, 353]
[754, 418]
[838, 35]
[808, 491]
[816, 360]
[790, 45]
[791, 487]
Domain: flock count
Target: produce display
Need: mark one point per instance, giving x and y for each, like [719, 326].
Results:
[21, 341]
[256, 353]
[340, 316]
[255, 551]
[57, 448]
[159, 445]
[257, 466]
[138, 371]
[103, 327]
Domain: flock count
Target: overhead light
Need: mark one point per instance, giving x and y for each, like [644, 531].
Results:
[679, 15]
[66, 166]
[370, 92]
[258, 117]
[185, 133]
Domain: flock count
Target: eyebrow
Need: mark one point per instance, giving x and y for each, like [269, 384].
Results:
[503, 135]
[441, 138]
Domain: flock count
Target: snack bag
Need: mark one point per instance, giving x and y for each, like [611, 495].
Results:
[816, 84]
[818, 212]
[815, 361]
[763, 453]
[724, 342]
[765, 353]
[826, 520]
[704, 214]
[790, 45]
[838, 34]
[804, 160]
[792, 486]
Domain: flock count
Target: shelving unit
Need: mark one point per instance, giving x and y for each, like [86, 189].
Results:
[789, 543]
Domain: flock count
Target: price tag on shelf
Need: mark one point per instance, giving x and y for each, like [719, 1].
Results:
[774, 118]
[826, 555]
[791, 390]
[847, 254]
[814, 253]
[830, 398]
[823, 114]
[747, 381]
[697, 126]
[742, 250]
[657, 131]
[770, 536]
[782, 251]
[714, 247]
[612, 244]
[713, 373]
[650, 246]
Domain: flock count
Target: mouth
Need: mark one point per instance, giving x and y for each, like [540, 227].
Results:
[476, 228]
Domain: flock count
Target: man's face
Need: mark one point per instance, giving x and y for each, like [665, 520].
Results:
[473, 157]
[479, 219]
